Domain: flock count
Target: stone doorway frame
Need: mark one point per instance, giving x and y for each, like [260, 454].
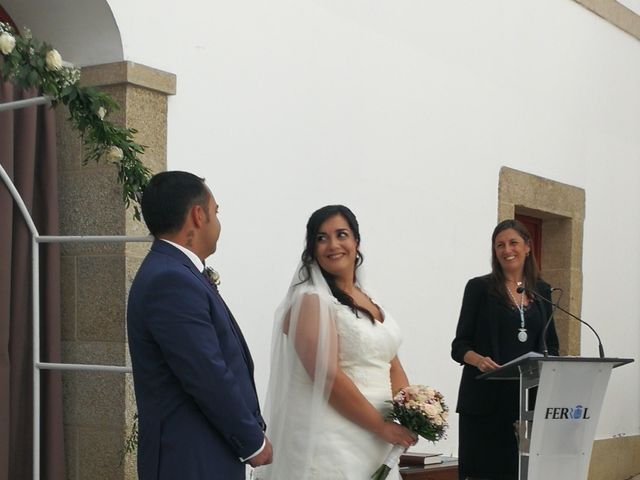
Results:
[561, 208]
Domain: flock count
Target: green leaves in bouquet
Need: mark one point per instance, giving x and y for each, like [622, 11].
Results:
[417, 423]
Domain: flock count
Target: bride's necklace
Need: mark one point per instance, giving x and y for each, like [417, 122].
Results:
[522, 331]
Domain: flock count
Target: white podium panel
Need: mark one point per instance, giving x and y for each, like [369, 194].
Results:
[565, 418]
[556, 438]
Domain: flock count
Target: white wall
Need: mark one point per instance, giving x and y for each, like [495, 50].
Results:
[405, 111]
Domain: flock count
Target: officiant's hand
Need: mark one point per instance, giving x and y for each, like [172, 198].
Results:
[397, 434]
[265, 457]
[482, 363]
[486, 364]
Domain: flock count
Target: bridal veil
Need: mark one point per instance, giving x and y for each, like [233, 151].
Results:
[304, 359]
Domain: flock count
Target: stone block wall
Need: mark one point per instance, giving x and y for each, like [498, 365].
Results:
[95, 277]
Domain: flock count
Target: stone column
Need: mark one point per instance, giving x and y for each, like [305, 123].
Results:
[95, 277]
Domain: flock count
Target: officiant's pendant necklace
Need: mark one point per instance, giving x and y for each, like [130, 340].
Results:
[522, 331]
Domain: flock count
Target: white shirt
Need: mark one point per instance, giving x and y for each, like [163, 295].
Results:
[192, 256]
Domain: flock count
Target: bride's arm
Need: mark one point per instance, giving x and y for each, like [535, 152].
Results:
[316, 343]
[350, 403]
[398, 376]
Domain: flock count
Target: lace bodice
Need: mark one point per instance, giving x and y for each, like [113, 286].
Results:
[365, 348]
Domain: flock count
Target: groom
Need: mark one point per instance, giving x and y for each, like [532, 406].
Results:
[199, 416]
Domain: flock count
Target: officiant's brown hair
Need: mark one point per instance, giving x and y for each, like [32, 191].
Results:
[531, 275]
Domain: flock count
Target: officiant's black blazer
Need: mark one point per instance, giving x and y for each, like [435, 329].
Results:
[478, 331]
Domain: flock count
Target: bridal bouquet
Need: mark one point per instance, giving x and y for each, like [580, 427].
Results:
[423, 411]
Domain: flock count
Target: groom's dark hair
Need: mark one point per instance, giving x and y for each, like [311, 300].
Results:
[167, 199]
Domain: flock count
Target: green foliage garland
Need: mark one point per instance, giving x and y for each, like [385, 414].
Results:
[29, 63]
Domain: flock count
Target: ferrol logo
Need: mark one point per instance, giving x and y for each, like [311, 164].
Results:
[567, 413]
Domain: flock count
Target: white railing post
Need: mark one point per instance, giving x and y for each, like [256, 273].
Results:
[36, 239]
[35, 298]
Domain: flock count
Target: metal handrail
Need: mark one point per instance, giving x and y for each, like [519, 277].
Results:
[92, 238]
[36, 239]
[82, 366]
[28, 102]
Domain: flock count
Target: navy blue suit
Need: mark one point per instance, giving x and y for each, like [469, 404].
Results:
[193, 374]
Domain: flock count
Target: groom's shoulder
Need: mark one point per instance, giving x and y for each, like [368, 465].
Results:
[160, 267]
[164, 255]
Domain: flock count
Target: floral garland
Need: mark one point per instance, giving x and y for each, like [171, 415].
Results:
[29, 63]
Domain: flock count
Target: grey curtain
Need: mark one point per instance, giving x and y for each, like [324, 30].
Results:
[28, 155]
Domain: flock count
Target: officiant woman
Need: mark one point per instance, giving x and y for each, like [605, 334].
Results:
[498, 322]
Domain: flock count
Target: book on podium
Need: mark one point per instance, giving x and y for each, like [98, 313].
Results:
[420, 458]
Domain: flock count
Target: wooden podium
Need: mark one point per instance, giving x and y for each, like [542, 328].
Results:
[555, 437]
[443, 471]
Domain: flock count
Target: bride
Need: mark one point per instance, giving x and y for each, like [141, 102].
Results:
[334, 365]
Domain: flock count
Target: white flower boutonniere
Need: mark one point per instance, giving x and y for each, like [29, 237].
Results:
[212, 276]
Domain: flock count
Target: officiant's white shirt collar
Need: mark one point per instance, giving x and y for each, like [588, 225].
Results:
[192, 256]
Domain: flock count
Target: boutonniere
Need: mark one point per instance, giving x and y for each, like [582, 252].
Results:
[212, 276]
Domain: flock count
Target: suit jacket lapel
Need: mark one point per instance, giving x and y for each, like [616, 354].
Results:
[235, 328]
[245, 348]
[246, 354]
[168, 249]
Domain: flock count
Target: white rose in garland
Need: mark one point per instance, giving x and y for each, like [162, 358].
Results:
[29, 63]
[114, 154]
[53, 60]
[7, 43]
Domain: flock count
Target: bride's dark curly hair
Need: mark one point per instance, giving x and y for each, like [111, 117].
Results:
[316, 219]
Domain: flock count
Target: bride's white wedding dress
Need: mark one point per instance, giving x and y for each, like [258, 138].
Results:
[311, 440]
[346, 451]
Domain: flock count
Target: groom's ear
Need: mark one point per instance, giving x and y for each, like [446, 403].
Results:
[197, 215]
